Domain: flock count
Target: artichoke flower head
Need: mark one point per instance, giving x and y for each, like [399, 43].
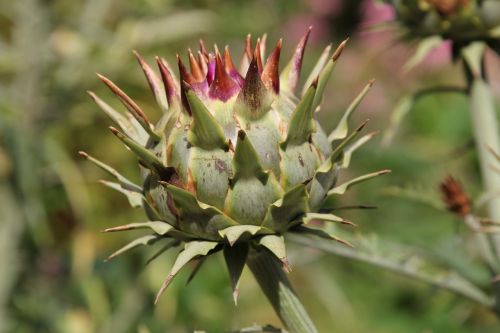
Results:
[460, 21]
[237, 159]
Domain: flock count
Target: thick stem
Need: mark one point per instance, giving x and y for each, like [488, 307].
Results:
[485, 126]
[273, 281]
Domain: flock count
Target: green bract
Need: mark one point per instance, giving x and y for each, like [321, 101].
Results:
[237, 159]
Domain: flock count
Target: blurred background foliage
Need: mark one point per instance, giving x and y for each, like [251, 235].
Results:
[52, 275]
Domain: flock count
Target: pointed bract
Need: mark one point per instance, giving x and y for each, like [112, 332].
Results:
[168, 82]
[254, 99]
[145, 156]
[195, 67]
[229, 67]
[205, 131]
[276, 244]
[223, 87]
[270, 75]
[291, 74]
[153, 81]
[144, 240]
[246, 161]
[235, 258]
[192, 250]
[302, 123]
[134, 109]
[342, 128]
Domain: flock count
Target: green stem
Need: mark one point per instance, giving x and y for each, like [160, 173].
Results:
[273, 281]
[485, 127]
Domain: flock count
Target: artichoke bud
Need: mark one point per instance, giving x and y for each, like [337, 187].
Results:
[237, 159]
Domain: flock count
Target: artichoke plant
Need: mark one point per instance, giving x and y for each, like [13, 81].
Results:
[238, 159]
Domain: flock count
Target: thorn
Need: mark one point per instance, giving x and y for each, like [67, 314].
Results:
[248, 46]
[257, 56]
[84, 154]
[383, 172]
[315, 82]
[339, 49]
[114, 131]
[235, 296]
[203, 49]
[363, 124]
[163, 287]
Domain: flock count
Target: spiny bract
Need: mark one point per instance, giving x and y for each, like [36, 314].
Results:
[237, 159]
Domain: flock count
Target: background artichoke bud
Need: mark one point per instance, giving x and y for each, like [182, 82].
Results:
[461, 21]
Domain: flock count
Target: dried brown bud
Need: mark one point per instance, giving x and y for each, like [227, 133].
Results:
[454, 197]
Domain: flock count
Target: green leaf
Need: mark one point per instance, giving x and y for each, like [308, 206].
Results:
[135, 199]
[236, 258]
[144, 240]
[191, 250]
[276, 244]
[124, 182]
[205, 132]
[161, 228]
[302, 124]
[342, 128]
[403, 260]
[425, 46]
[234, 233]
[246, 161]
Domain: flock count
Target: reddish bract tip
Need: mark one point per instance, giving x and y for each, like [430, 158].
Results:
[229, 67]
[184, 73]
[223, 87]
[203, 49]
[168, 81]
[270, 74]
[210, 69]
[297, 59]
[339, 49]
[257, 56]
[248, 46]
[203, 61]
[195, 67]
